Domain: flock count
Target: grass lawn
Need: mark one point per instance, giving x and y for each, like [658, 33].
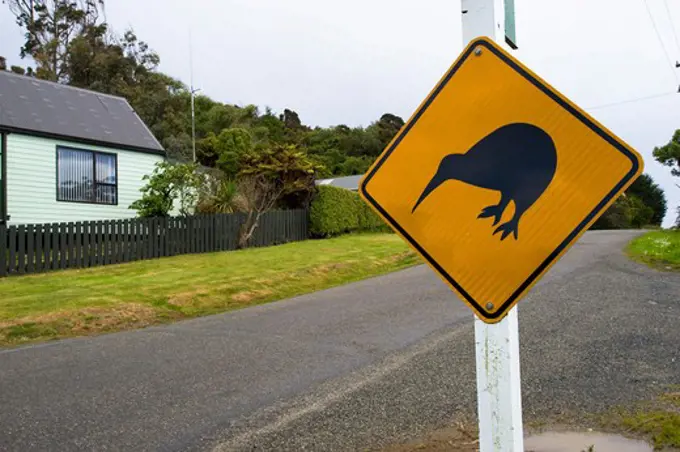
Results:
[660, 249]
[116, 297]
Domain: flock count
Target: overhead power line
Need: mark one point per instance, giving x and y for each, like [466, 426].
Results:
[668, 58]
[675, 33]
[629, 101]
[658, 35]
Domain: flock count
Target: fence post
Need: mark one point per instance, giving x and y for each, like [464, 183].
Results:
[63, 236]
[99, 238]
[30, 248]
[134, 246]
[190, 234]
[166, 230]
[88, 244]
[106, 242]
[154, 238]
[219, 231]
[151, 234]
[169, 235]
[70, 263]
[3, 250]
[125, 241]
[47, 247]
[115, 241]
[77, 243]
[11, 268]
[141, 233]
[39, 241]
[306, 225]
[122, 236]
[183, 239]
[210, 225]
[196, 220]
[207, 224]
[201, 233]
[21, 252]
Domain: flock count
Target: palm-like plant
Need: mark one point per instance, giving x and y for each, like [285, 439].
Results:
[221, 196]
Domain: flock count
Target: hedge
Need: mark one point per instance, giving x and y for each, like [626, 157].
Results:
[337, 211]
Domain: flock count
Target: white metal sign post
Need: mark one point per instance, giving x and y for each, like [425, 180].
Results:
[499, 396]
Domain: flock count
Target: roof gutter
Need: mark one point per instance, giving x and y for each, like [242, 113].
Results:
[54, 136]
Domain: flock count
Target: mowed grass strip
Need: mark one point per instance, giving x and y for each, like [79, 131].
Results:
[660, 249]
[116, 297]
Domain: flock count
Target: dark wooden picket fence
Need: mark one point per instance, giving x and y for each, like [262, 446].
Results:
[36, 248]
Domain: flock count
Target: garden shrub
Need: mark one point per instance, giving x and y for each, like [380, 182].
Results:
[335, 211]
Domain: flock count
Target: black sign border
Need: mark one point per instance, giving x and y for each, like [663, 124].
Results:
[502, 310]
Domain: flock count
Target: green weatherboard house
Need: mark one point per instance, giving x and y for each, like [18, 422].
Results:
[68, 154]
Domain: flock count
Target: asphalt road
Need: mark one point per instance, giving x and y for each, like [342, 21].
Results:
[354, 367]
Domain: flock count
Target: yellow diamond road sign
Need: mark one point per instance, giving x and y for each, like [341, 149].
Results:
[495, 176]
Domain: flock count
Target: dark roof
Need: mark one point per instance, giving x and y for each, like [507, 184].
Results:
[39, 107]
[348, 182]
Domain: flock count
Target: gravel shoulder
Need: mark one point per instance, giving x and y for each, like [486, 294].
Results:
[599, 332]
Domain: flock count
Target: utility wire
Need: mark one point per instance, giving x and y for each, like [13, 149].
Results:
[670, 18]
[658, 35]
[638, 99]
[668, 58]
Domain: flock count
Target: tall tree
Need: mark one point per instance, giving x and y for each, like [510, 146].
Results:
[627, 212]
[646, 190]
[50, 28]
[289, 168]
[225, 151]
[669, 154]
[291, 119]
[387, 127]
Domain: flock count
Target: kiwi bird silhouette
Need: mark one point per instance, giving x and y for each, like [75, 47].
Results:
[518, 160]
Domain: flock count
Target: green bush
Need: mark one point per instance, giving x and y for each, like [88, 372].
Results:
[368, 219]
[627, 212]
[335, 211]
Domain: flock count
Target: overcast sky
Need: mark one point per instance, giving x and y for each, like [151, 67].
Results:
[347, 62]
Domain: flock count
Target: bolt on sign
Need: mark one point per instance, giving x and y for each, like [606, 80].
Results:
[495, 176]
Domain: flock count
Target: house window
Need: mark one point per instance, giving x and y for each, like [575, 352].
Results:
[86, 176]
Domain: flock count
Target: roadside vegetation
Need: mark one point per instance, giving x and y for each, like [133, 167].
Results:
[117, 297]
[642, 205]
[336, 211]
[660, 249]
[657, 420]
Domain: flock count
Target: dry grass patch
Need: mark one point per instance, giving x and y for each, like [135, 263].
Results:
[248, 296]
[460, 438]
[78, 323]
[116, 297]
[188, 298]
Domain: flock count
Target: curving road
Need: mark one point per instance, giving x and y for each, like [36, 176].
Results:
[350, 368]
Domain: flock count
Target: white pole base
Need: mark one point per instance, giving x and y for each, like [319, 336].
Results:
[499, 397]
